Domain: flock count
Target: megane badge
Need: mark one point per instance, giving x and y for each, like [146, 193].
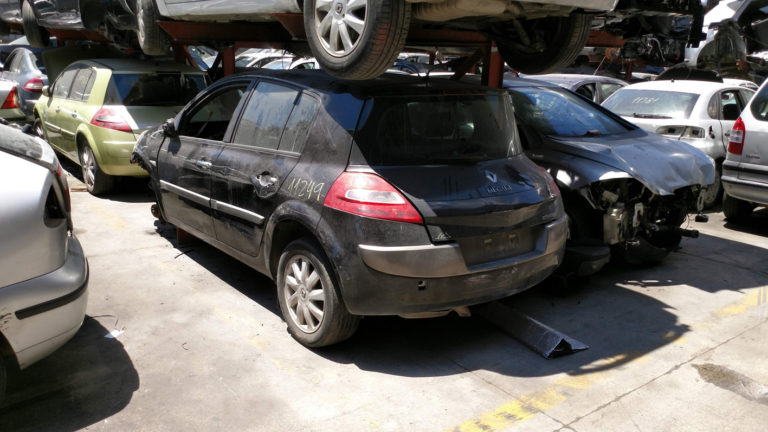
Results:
[490, 176]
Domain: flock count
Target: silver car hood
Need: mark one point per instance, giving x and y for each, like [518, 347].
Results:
[661, 164]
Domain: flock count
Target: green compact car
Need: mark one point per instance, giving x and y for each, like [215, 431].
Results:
[96, 109]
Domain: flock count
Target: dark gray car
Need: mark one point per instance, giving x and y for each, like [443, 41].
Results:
[623, 188]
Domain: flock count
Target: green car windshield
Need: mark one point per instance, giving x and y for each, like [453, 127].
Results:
[157, 89]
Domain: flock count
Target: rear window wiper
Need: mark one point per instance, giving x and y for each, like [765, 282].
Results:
[650, 116]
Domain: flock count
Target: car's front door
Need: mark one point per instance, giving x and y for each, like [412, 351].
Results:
[185, 161]
[264, 149]
[51, 112]
[70, 111]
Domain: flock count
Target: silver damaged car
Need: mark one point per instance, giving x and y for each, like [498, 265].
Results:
[43, 270]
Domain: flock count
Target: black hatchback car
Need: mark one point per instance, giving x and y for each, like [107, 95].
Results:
[387, 197]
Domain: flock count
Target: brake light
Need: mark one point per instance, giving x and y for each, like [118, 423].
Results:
[12, 100]
[34, 85]
[736, 141]
[369, 195]
[108, 118]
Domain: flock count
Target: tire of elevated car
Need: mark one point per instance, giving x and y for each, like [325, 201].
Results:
[152, 39]
[565, 37]
[384, 29]
[96, 181]
[735, 209]
[308, 296]
[37, 36]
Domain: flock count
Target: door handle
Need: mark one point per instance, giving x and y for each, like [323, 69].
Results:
[203, 164]
[711, 132]
[74, 115]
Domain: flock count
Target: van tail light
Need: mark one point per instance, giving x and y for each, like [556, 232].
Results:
[736, 141]
[34, 85]
[369, 195]
[108, 118]
[12, 100]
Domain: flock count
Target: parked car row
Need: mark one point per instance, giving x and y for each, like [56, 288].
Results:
[360, 39]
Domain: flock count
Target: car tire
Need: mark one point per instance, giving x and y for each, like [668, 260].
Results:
[370, 51]
[153, 41]
[37, 128]
[309, 298]
[563, 39]
[96, 181]
[714, 192]
[735, 209]
[37, 36]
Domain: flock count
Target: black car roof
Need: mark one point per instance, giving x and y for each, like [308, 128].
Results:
[388, 84]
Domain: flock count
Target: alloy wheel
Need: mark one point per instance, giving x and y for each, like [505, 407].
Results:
[89, 166]
[339, 24]
[304, 294]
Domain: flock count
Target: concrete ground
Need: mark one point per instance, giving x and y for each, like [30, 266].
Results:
[186, 338]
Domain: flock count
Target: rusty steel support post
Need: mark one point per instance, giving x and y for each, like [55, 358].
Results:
[493, 68]
[228, 61]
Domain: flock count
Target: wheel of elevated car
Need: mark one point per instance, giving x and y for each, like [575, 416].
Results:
[542, 45]
[309, 298]
[96, 181]
[152, 39]
[37, 36]
[356, 39]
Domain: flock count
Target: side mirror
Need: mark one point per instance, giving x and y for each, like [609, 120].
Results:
[169, 128]
[46, 91]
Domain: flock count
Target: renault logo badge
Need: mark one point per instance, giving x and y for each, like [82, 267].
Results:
[490, 176]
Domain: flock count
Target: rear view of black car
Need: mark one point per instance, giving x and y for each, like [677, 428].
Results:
[387, 197]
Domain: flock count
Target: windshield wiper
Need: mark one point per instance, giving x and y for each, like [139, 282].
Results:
[650, 116]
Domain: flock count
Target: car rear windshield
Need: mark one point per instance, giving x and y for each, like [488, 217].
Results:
[417, 130]
[153, 89]
[555, 111]
[658, 104]
[759, 104]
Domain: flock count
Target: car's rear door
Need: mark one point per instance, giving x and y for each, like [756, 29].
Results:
[185, 161]
[263, 151]
[753, 159]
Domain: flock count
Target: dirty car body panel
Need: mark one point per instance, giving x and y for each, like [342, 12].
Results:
[487, 222]
[623, 187]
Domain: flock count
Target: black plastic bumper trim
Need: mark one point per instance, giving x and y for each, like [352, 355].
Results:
[55, 303]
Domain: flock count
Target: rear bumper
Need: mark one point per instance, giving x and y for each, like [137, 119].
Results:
[745, 190]
[46, 311]
[402, 280]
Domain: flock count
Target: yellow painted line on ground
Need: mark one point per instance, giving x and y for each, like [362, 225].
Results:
[754, 298]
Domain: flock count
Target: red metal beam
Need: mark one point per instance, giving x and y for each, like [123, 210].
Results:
[493, 69]
[599, 38]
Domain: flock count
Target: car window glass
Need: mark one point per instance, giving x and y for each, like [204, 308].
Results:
[645, 103]
[13, 62]
[746, 95]
[587, 90]
[713, 109]
[153, 89]
[63, 83]
[552, 111]
[297, 128]
[210, 119]
[609, 88]
[79, 84]
[731, 105]
[265, 116]
[759, 104]
[243, 61]
[450, 129]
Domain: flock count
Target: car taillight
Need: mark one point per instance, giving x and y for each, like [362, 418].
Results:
[369, 195]
[108, 118]
[12, 100]
[34, 85]
[552, 188]
[736, 141]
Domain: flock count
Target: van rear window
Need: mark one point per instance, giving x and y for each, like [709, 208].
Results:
[759, 104]
[161, 89]
[455, 129]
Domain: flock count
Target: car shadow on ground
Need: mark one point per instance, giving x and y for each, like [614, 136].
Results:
[89, 379]
[126, 189]
[756, 223]
[613, 312]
